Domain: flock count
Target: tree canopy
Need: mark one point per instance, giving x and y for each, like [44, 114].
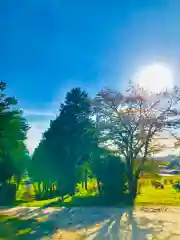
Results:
[13, 130]
[129, 122]
[66, 144]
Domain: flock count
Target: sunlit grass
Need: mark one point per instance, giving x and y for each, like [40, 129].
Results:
[12, 227]
[39, 203]
[151, 196]
[21, 194]
[23, 231]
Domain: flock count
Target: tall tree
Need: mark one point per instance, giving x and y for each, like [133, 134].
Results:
[13, 130]
[130, 122]
[66, 144]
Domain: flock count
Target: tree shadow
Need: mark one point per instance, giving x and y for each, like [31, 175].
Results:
[15, 228]
[157, 229]
[110, 230]
[121, 225]
[88, 201]
[68, 219]
[97, 223]
[130, 226]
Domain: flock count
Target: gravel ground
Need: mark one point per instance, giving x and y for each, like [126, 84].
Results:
[102, 223]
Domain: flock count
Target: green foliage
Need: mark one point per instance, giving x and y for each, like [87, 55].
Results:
[7, 168]
[13, 130]
[130, 122]
[7, 194]
[159, 197]
[12, 227]
[176, 186]
[110, 171]
[66, 144]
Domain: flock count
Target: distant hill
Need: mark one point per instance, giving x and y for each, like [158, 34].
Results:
[166, 158]
[170, 161]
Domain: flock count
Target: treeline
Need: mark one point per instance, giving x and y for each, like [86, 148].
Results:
[108, 138]
[14, 157]
[102, 138]
[70, 152]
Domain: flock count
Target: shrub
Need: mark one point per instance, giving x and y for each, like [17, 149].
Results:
[7, 194]
[110, 170]
[176, 186]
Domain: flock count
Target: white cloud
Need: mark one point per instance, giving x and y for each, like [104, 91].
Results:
[38, 121]
[29, 112]
[38, 126]
[35, 133]
[33, 138]
[168, 140]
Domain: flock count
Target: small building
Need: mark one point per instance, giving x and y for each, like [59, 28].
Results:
[169, 172]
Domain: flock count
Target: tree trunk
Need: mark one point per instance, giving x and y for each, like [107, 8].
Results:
[51, 190]
[17, 185]
[132, 222]
[99, 186]
[39, 187]
[35, 189]
[139, 189]
[133, 184]
[85, 179]
[44, 186]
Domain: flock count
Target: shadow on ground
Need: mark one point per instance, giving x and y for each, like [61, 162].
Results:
[35, 223]
[92, 223]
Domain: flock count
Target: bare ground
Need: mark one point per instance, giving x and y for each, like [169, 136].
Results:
[101, 223]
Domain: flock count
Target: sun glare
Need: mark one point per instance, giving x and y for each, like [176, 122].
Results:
[155, 78]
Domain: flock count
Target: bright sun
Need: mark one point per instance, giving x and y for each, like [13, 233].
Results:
[155, 78]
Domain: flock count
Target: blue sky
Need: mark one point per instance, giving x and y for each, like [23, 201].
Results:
[50, 46]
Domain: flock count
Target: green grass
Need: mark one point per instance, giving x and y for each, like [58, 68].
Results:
[40, 203]
[15, 228]
[151, 196]
[20, 229]
[12, 227]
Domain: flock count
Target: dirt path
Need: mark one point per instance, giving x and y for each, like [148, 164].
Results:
[101, 223]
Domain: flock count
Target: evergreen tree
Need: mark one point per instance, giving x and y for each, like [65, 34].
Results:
[66, 144]
[13, 130]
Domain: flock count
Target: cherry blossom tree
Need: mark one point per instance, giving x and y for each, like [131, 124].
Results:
[130, 122]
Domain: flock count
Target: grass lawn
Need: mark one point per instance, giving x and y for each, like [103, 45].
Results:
[40, 203]
[151, 196]
[15, 228]
[20, 229]
[12, 227]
